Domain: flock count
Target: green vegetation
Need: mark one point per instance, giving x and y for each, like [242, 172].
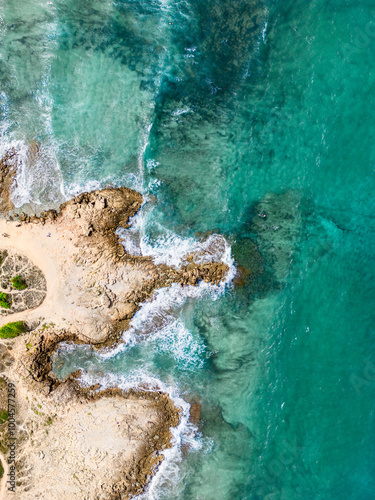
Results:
[11, 330]
[4, 415]
[49, 325]
[1, 470]
[4, 301]
[18, 283]
[49, 420]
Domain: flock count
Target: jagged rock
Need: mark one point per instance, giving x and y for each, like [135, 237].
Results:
[124, 311]
[8, 169]
[46, 401]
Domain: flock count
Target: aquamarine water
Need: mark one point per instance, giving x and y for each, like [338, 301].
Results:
[224, 109]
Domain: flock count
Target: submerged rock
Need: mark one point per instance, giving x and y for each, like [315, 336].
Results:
[278, 227]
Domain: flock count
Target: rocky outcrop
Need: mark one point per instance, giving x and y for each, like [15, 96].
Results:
[94, 288]
[8, 169]
[95, 217]
[135, 480]
[34, 363]
[40, 348]
[99, 287]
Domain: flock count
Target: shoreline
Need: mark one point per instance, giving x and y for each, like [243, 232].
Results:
[93, 289]
[67, 435]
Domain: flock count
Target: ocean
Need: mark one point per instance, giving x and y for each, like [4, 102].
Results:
[249, 123]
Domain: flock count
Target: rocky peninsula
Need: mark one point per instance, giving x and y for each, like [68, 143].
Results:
[65, 276]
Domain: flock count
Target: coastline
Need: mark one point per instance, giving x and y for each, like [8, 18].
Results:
[93, 289]
[75, 441]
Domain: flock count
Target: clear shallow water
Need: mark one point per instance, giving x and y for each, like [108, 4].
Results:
[212, 107]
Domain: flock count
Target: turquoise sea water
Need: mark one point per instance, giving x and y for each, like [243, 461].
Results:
[224, 109]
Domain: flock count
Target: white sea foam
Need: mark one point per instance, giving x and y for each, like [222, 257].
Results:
[38, 173]
[178, 112]
[264, 31]
[170, 248]
[173, 338]
[38, 177]
[129, 341]
[163, 308]
[130, 180]
[177, 340]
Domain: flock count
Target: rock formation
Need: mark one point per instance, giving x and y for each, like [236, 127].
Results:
[8, 168]
[94, 287]
[75, 441]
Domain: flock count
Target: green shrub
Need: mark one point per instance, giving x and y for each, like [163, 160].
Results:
[1, 470]
[18, 283]
[4, 415]
[49, 420]
[4, 301]
[11, 330]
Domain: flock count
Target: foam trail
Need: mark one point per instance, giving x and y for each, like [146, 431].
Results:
[172, 249]
[38, 179]
[130, 180]
[173, 338]
[169, 248]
